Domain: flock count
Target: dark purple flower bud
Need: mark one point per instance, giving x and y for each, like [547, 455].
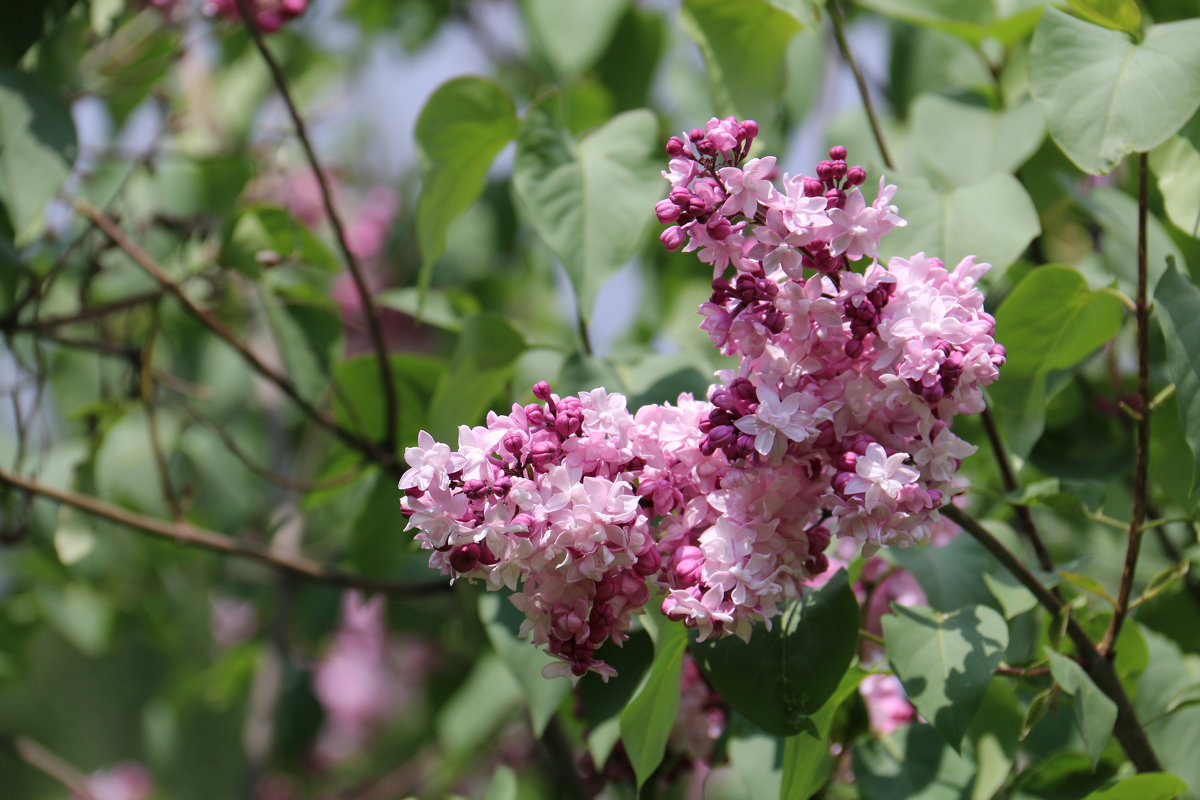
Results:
[706, 147]
[475, 489]
[535, 415]
[724, 399]
[696, 134]
[856, 176]
[827, 435]
[878, 296]
[745, 444]
[707, 447]
[998, 355]
[749, 129]
[720, 416]
[541, 390]
[838, 170]
[816, 565]
[840, 480]
[835, 198]
[502, 486]
[766, 288]
[813, 187]
[568, 422]
[743, 389]
[818, 539]
[723, 435]
[861, 442]
[680, 196]
[675, 147]
[649, 562]
[414, 492]
[719, 228]
[825, 172]
[846, 461]
[837, 153]
[666, 211]
[933, 394]
[673, 237]
[775, 321]
[542, 455]
[463, 559]
[853, 348]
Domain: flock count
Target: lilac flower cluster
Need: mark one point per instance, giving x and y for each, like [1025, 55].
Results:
[834, 422]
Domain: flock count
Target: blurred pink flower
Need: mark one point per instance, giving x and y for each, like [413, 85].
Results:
[128, 780]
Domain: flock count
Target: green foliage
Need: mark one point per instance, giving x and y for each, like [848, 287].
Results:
[1180, 302]
[945, 661]
[1104, 96]
[795, 667]
[1147, 786]
[1094, 713]
[647, 720]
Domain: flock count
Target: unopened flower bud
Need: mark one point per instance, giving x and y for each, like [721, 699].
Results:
[837, 153]
[675, 147]
[813, 187]
[673, 237]
[541, 390]
[856, 176]
[666, 211]
[835, 198]
[463, 559]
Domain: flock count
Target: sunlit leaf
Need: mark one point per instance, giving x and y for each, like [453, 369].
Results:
[1176, 164]
[37, 149]
[1179, 300]
[1094, 712]
[647, 721]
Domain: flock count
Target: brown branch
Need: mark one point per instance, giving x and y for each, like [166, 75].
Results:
[184, 533]
[88, 314]
[835, 15]
[385, 457]
[1129, 732]
[370, 310]
[49, 764]
[1009, 479]
[1141, 423]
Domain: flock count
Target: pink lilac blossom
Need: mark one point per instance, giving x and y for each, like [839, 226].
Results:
[269, 15]
[128, 780]
[835, 421]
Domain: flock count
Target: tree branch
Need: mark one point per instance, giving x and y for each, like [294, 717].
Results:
[49, 764]
[1141, 422]
[835, 15]
[185, 533]
[1009, 479]
[370, 310]
[1128, 730]
[385, 457]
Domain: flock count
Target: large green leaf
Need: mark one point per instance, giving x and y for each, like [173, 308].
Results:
[1176, 164]
[1104, 96]
[1094, 712]
[994, 736]
[782, 676]
[744, 45]
[359, 404]
[993, 219]
[806, 757]
[945, 661]
[502, 621]
[973, 20]
[948, 575]
[572, 35]
[37, 149]
[647, 721]
[1051, 321]
[1179, 298]
[1121, 15]
[914, 763]
[963, 144]
[1147, 786]
[590, 200]
[462, 127]
[483, 361]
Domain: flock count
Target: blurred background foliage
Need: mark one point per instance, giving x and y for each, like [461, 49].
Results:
[503, 224]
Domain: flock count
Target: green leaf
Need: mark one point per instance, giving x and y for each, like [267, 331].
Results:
[502, 621]
[914, 763]
[377, 549]
[971, 20]
[1168, 679]
[462, 127]
[647, 721]
[1121, 15]
[125, 67]
[264, 236]
[359, 406]
[1162, 581]
[786, 674]
[1105, 97]
[995, 734]
[572, 35]
[1094, 712]
[1147, 786]
[1176, 164]
[963, 144]
[1088, 584]
[603, 701]
[806, 758]
[1068, 497]
[37, 149]
[945, 661]
[590, 200]
[1051, 321]
[104, 13]
[1013, 597]
[744, 45]
[1179, 301]
[992, 219]
[484, 701]
[482, 363]
[948, 575]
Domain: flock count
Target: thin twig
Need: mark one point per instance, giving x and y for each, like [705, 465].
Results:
[1141, 458]
[286, 481]
[1129, 732]
[835, 15]
[49, 764]
[90, 313]
[370, 310]
[382, 456]
[185, 533]
[1009, 479]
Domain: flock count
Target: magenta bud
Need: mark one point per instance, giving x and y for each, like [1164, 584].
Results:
[846, 461]
[648, 563]
[696, 134]
[837, 153]
[835, 198]
[688, 565]
[673, 237]
[813, 187]
[840, 480]
[856, 176]
[541, 390]
[816, 565]
[675, 147]
[853, 348]
[818, 539]
[294, 8]
[825, 172]
[723, 435]
[743, 389]
[724, 399]
[666, 211]
[535, 415]
[464, 559]
[513, 442]
[838, 170]
[719, 228]
[749, 129]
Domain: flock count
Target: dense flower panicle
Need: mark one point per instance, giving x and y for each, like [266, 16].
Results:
[836, 421]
